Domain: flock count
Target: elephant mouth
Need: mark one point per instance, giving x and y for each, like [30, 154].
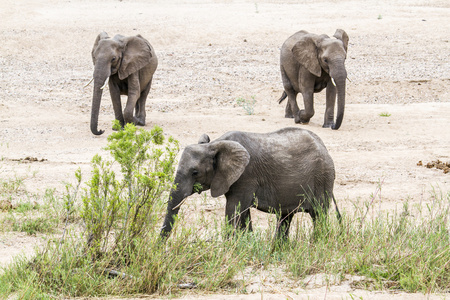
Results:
[199, 188]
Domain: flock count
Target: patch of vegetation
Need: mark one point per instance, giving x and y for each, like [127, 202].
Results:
[10, 188]
[26, 206]
[34, 225]
[384, 114]
[247, 105]
[24, 212]
[31, 217]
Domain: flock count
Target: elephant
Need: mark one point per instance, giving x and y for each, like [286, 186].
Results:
[309, 63]
[281, 172]
[127, 63]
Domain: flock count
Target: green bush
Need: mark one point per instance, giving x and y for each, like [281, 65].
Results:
[118, 209]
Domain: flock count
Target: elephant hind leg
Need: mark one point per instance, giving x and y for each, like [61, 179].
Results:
[320, 205]
[292, 110]
[288, 111]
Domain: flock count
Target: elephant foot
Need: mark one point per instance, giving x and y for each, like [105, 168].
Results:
[289, 116]
[328, 125]
[300, 121]
[303, 117]
[140, 122]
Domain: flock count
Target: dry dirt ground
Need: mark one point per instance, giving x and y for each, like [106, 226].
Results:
[212, 53]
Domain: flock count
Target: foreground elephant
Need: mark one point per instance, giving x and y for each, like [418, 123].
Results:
[282, 172]
[127, 64]
[309, 63]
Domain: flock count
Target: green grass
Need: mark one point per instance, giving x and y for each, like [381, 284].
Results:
[384, 114]
[24, 213]
[395, 251]
[32, 215]
[10, 189]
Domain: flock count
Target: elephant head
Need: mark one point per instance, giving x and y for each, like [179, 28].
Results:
[317, 53]
[216, 166]
[119, 55]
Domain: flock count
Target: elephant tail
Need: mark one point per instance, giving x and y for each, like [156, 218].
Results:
[282, 97]
[338, 214]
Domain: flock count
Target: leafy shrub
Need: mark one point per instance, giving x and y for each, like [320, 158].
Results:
[117, 210]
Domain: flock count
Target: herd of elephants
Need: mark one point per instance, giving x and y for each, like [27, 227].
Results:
[280, 172]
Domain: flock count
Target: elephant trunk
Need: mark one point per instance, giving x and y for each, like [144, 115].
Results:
[340, 80]
[96, 99]
[182, 191]
[100, 79]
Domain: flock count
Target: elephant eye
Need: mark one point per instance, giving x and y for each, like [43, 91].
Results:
[194, 172]
[325, 60]
[113, 59]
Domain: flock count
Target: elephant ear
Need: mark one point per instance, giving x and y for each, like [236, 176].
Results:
[342, 35]
[204, 139]
[231, 159]
[103, 35]
[137, 54]
[305, 52]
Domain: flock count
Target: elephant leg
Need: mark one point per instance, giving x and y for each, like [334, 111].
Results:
[245, 220]
[288, 111]
[238, 216]
[290, 92]
[133, 96]
[329, 110]
[292, 110]
[283, 225]
[319, 209]
[306, 114]
[140, 106]
[114, 91]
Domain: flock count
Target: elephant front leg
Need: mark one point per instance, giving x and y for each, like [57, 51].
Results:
[306, 114]
[114, 91]
[238, 216]
[329, 110]
[283, 225]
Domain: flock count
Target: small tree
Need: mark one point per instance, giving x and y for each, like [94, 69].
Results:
[116, 211]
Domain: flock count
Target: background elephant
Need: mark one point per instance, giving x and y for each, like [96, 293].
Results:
[129, 64]
[282, 172]
[309, 63]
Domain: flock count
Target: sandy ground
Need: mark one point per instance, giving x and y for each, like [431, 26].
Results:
[211, 53]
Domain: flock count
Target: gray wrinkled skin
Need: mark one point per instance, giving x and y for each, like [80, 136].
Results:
[281, 172]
